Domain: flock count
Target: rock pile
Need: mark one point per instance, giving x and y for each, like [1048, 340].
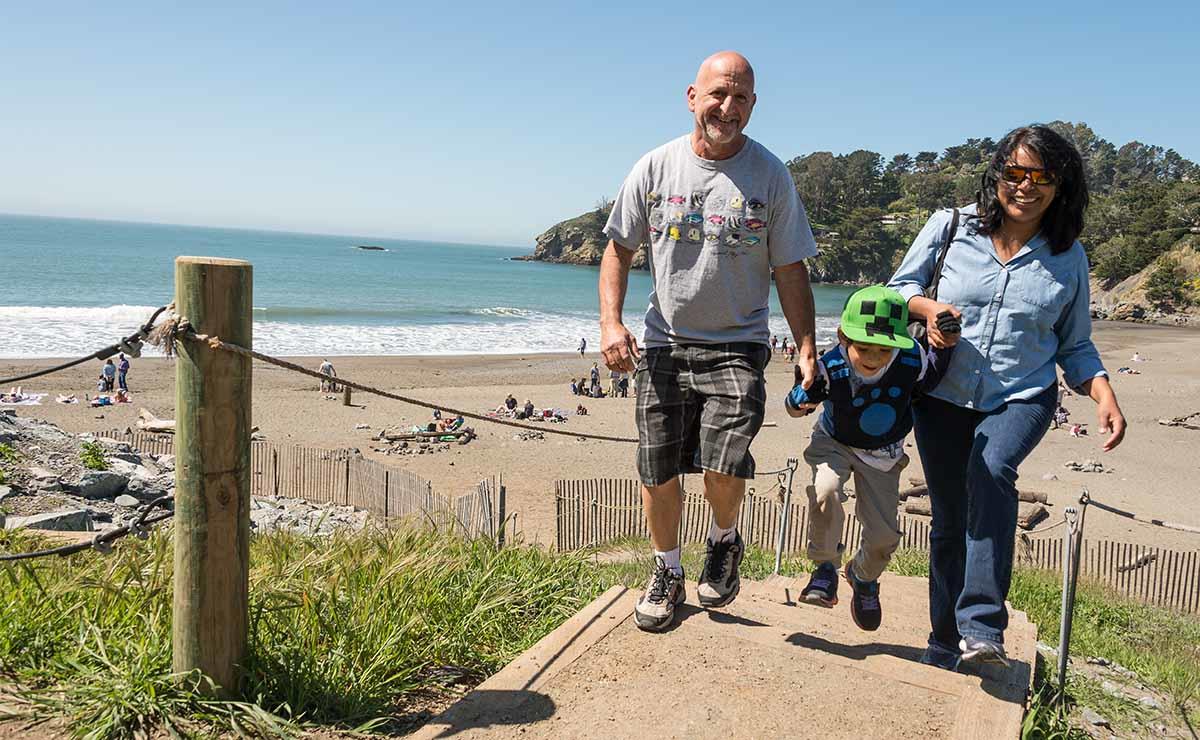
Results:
[297, 515]
[406, 447]
[1087, 466]
[46, 485]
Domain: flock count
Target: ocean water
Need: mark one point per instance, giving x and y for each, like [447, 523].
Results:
[69, 286]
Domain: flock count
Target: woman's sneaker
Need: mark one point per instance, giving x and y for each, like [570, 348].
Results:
[864, 605]
[719, 581]
[977, 651]
[822, 586]
[655, 610]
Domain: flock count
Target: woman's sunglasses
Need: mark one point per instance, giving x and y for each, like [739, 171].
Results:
[1016, 175]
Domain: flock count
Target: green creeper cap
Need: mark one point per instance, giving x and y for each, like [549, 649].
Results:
[877, 315]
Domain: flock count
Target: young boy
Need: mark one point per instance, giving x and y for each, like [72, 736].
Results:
[867, 384]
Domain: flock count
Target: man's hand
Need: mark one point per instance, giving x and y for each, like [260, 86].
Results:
[618, 347]
[1108, 413]
[938, 338]
[806, 369]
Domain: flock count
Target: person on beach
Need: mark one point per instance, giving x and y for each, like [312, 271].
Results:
[774, 342]
[122, 371]
[866, 385]
[510, 402]
[718, 213]
[783, 346]
[582, 345]
[109, 374]
[327, 384]
[614, 379]
[1016, 276]
[574, 387]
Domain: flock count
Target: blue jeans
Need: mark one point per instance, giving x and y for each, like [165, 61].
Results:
[970, 460]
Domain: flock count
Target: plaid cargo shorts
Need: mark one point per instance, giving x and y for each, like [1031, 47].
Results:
[698, 408]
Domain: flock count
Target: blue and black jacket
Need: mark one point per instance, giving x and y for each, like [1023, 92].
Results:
[877, 414]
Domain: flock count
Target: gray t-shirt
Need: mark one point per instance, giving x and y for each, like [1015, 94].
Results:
[714, 229]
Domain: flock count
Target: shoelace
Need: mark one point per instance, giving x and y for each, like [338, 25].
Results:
[822, 580]
[868, 594]
[660, 583]
[719, 555]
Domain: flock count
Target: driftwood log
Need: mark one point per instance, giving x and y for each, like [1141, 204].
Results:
[919, 489]
[148, 422]
[1182, 421]
[425, 436]
[1028, 514]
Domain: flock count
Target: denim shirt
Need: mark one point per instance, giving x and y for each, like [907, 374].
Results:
[1019, 318]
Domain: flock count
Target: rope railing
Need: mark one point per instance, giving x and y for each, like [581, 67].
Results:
[178, 328]
[1091, 501]
[130, 345]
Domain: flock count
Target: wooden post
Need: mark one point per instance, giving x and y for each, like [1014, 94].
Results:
[345, 395]
[212, 472]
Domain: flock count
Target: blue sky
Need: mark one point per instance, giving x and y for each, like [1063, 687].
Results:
[489, 122]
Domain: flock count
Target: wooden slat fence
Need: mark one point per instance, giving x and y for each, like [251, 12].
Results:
[481, 513]
[595, 512]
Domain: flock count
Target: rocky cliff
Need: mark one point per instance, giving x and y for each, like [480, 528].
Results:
[578, 241]
[1127, 300]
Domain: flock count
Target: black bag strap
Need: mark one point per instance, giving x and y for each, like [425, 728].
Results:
[937, 271]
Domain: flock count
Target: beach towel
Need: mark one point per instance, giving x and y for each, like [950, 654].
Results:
[25, 399]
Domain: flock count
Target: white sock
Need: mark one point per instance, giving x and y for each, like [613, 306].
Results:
[671, 558]
[717, 534]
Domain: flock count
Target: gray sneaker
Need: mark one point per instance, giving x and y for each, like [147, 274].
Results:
[656, 609]
[719, 581]
[978, 652]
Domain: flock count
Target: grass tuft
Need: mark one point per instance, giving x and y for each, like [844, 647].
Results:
[8, 456]
[92, 455]
[348, 632]
[342, 629]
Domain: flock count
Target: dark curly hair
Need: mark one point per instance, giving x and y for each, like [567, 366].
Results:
[1063, 220]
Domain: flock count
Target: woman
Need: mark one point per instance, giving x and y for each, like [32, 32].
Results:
[1017, 278]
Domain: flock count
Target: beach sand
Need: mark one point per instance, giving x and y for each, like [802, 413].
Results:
[1155, 470]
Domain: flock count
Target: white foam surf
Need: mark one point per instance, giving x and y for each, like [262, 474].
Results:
[58, 331]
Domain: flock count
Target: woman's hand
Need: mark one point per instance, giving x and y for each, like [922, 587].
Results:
[1108, 412]
[1112, 421]
[937, 337]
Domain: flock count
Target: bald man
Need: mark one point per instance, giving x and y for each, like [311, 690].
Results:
[718, 212]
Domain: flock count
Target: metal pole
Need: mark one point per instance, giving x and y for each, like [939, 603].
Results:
[502, 513]
[785, 513]
[1072, 551]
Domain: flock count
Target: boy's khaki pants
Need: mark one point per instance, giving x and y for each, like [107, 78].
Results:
[877, 494]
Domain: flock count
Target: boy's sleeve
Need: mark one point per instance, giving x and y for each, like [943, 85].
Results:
[819, 390]
[937, 362]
